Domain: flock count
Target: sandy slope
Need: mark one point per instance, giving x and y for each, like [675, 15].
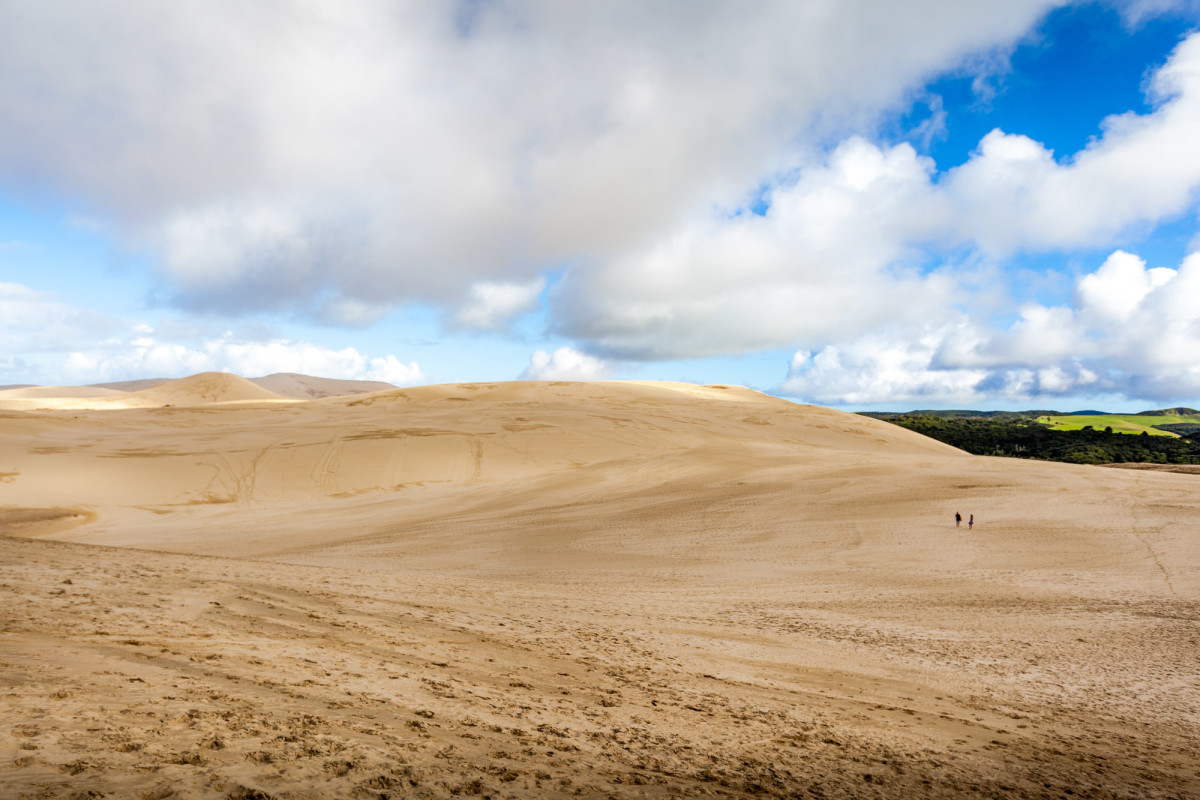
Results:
[202, 389]
[207, 388]
[629, 589]
[307, 387]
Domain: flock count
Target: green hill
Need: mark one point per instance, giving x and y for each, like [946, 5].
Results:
[1154, 423]
[1074, 438]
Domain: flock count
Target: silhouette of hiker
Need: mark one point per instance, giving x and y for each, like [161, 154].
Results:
[957, 519]
[971, 522]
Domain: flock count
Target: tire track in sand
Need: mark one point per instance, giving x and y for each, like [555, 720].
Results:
[1140, 536]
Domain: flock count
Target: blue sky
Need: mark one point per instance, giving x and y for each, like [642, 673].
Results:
[861, 204]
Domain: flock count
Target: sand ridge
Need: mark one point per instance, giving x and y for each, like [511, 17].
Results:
[306, 387]
[202, 389]
[206, 388]
[581, 589]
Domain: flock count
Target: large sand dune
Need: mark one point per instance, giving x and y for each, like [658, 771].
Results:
[630, 589]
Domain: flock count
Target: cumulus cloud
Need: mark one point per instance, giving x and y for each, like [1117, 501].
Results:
[393, 370]
[565, 364]
[144, 356]
[62, 342]
[826, 260]
[1013, 193]
[698, 173]
[881, 368]
[492, 306]
[844, 244]
[1131, 332]
[274, 153]
[1116, 290]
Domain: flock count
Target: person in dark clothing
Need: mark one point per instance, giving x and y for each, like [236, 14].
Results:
[957, 519]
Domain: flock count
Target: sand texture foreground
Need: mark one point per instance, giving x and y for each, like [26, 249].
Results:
[576, 590]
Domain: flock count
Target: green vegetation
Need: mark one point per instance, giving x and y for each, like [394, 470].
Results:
[1171, 412]
[1027, 438]
[957, 413]
[1181, 428]
[1154, 423]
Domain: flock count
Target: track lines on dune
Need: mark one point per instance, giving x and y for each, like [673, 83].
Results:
[324, 472]
[239, 481]
[476, 446]
[227, 678]
[1141, 537]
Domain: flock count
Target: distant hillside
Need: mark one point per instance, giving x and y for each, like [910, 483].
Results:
[1165, 422]
[307, 387]
[1030, 438]
[288, 384]
[1170, 412]
[133, 386]
[206, 388]
[1158, 423]
[961, 413]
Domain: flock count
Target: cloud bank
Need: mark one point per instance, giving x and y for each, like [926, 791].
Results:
[637, 174]
[565, 364]
[143, 356]
[1130, 332]
[375, 151]
[95, 348]
[845, 247]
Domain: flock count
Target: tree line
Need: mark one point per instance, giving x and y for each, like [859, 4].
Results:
[1021, 437]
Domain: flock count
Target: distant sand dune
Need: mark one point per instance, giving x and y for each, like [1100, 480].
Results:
[632, 589]
[200, 389]
[306, 387]
[44, 392]
[207, 388]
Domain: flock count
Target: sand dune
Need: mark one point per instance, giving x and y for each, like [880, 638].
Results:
[572, 589]
[202, 389]
[307, 387]
[133, 386]
[44, 392]
[207, 388]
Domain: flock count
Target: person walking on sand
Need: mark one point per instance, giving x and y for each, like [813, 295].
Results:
[957, 519]
[971, 523]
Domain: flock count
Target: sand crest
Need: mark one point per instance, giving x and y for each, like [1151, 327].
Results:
[579, 589]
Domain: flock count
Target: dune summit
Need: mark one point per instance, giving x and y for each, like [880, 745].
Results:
[572, 589]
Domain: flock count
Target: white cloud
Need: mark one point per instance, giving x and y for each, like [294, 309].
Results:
[1114, 292]
[279, 152]
[145, 357]
[338, 160]
[1133, 332]
[67, 344]
[839, 250]
[145, 360]
[824, 262]
[1136, 12]
[392, 370]
[565, 364]
[494, 305]
[881, 368]
[1143, 168]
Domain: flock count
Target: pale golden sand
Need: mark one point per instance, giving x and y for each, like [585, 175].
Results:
[604, 589]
